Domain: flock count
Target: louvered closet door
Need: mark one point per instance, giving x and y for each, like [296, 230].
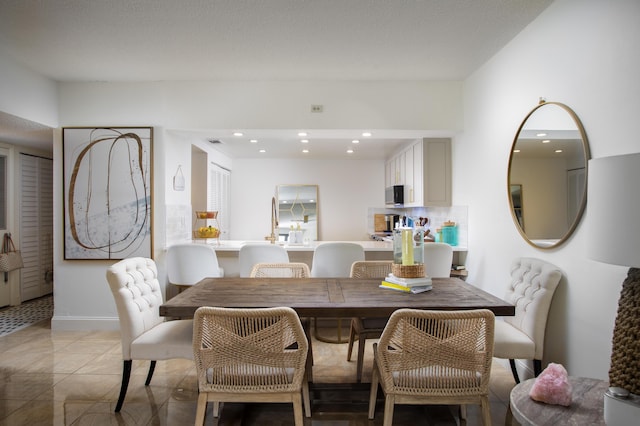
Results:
[36, 226]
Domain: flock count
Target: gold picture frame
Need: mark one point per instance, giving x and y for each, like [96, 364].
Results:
[108, 197]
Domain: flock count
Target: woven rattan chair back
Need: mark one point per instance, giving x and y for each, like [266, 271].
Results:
[434, 357]
[280, 270]
[250, 355]
[371, 269]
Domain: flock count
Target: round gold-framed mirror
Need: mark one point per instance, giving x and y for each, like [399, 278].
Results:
[547, 175]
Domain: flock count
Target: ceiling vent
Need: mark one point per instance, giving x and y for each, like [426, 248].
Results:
[214, 141]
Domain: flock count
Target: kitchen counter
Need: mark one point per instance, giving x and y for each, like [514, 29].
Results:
[368, 245]
[234, 246]
[227, 252]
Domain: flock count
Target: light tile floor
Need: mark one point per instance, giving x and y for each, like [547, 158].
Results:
[73, 378]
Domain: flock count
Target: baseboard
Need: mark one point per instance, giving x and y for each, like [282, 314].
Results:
[66, 323]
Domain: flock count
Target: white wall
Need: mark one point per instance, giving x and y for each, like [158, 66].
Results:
[27, 94]
[82, 298]
[579, 52]
[346, 189]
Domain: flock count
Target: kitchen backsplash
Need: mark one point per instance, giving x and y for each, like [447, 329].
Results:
[437, 216]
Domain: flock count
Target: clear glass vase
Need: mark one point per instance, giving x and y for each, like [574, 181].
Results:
[408, 246]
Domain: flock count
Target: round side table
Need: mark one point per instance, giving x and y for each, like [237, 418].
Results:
[587, 405]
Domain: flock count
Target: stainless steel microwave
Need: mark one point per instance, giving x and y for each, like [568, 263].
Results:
[394, 195]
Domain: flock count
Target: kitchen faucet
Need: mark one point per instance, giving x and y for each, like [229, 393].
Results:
[274, 222]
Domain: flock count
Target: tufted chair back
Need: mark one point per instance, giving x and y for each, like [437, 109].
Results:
[137, 293]
[533, 282]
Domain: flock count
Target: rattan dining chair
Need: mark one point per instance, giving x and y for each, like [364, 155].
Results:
[250, 355]
[280, 270]
[434, 357]
[366, 328]
[289, 270]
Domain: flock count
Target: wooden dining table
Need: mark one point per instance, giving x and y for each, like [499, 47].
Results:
[330, 297]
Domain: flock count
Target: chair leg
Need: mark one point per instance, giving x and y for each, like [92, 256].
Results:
[389, 405]
[361, 343]
[306, 399]
[306, 325]
[486, 411]
[373, 393]
[298, 419]
[352, 337]
[152, 368]
[201, 408]
[537, 367]
[514, 370]
[126, 373]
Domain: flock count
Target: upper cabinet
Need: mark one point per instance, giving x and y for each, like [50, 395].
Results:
[424, 168]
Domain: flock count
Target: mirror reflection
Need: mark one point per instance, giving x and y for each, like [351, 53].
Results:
[298, 210]
[548, 163]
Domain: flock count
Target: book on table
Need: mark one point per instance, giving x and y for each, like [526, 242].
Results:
[408, 285]
[405, 289]
[408, 282]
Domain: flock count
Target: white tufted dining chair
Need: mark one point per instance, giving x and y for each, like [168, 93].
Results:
[144, 334]
[533, 283]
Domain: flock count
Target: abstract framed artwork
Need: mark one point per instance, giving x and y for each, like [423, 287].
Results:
[108, 181]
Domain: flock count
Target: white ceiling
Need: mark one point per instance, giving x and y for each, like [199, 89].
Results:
[155, 40]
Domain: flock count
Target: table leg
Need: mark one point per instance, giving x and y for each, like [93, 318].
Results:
[339, 339]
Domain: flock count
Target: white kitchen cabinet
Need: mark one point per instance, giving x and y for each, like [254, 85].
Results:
[395, 170]
[424, 168]
[432, 176]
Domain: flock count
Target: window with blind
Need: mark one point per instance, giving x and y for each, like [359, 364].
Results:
[218, 196]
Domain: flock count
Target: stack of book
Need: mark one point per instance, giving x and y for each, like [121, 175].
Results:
[408, 285]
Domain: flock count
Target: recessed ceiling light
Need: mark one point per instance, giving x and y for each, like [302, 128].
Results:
[516, 150]
[305, 151]
[546, 141]
[263, 150]
[541, 134]
[302, 133]
[304, 140]
[355, 141]
[238, 133]
[366, 134]
[349, 151]
[558, 151]
[254, 141]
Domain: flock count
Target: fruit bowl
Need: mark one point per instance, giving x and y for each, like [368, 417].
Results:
[206, 215]
[207, 232]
